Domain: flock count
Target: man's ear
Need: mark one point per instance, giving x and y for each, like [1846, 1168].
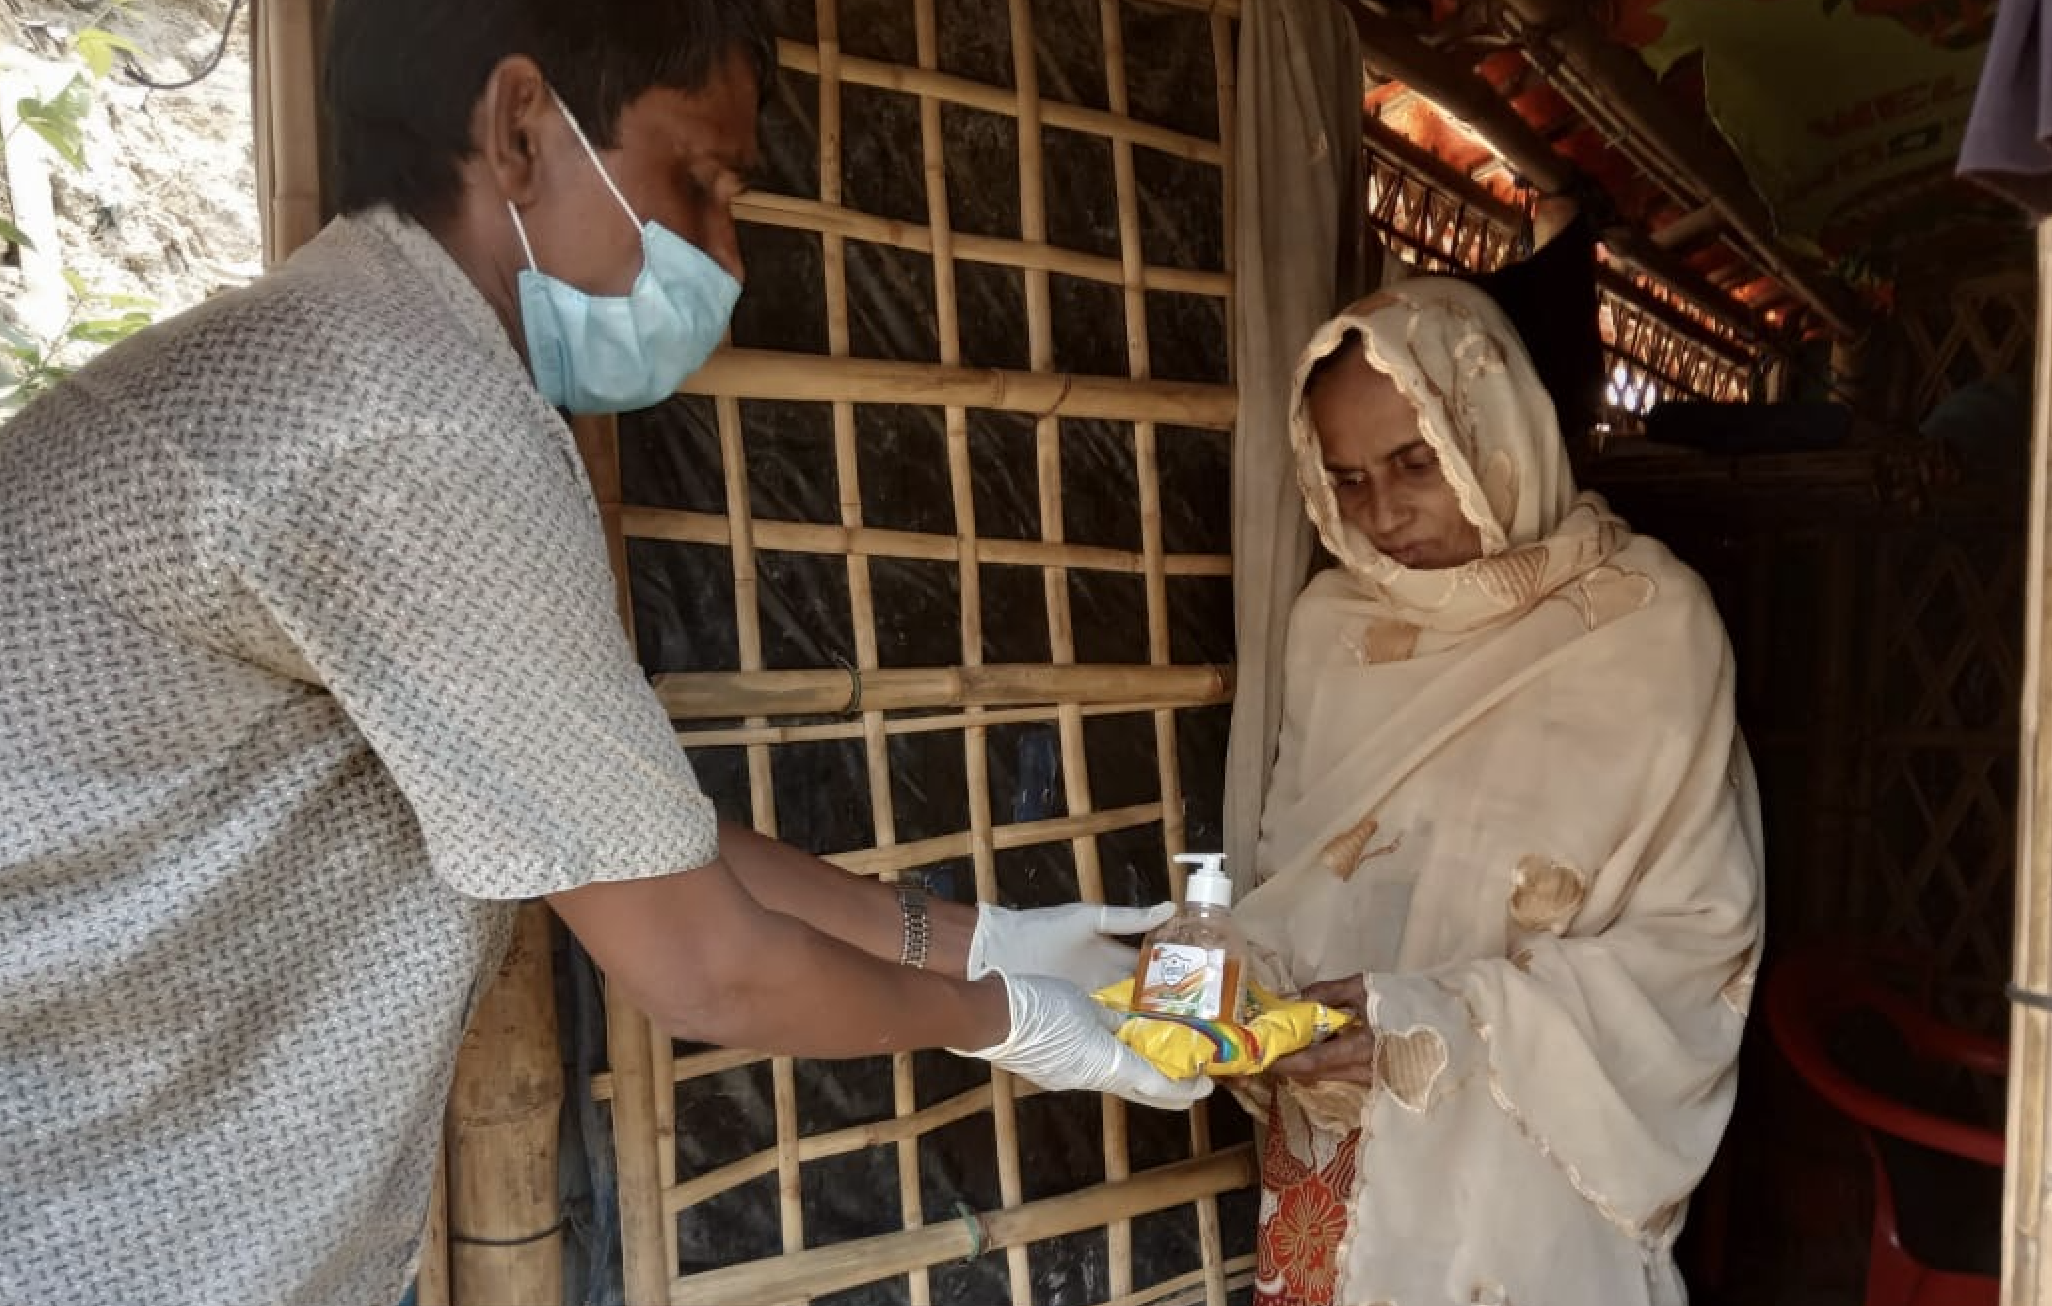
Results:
[507, 124]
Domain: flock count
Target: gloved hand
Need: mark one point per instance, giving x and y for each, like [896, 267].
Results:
[1062, 1038]
[1072, 942]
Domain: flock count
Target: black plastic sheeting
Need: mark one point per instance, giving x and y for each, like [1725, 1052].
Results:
[684, 594]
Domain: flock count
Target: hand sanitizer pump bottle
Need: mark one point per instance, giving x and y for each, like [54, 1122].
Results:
[1194, 964]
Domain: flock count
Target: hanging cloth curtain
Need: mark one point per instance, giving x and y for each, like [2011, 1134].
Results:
[2008, 142]
[1297, 198]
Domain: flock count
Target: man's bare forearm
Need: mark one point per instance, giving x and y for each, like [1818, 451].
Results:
[853, 908]
[709, 961]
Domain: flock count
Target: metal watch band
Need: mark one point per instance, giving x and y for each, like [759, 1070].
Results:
[918, 926]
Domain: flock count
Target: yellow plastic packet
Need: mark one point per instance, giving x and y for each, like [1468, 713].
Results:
[1182, 1046]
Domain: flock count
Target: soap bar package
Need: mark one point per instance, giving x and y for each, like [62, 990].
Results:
[1182, 1046]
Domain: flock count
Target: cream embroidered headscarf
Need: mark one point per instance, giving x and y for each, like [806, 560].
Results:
[1483, 410]
[1512, 796]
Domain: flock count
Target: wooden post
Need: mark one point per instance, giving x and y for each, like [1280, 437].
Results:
[505, 1108]
[285, 83]
[2026, 1271]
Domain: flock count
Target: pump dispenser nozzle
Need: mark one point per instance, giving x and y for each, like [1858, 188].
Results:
[1208, 882]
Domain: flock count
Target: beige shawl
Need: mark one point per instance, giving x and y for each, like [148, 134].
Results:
[1513, 797]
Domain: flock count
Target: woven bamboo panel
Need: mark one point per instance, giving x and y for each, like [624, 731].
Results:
[1944, 673]
[931, 567]
[1650, 361]
[1966, 333]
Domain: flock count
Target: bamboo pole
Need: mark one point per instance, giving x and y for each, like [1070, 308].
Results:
[995, 99]
[1690, 229]
[742, 736]
[1603, 79]
[1194, 1287]
[690, 1065]
[1117, 1140]
[284, 82]
[1447, 84]
[506, 1240]
[907, 1127]
[940, 238]
[1214, 1271]
[765, 374]
[1019, 834]
[685, 527]
[1047, 430]
[761, 779]
[632, 1043]
[818, 1271]
[2027, 1187]
[1393, 50]
[431, 1280]
[1226, 72]
[802, 214]
[981, 846]
[598, 447]
[662, 1053]
[810, 692]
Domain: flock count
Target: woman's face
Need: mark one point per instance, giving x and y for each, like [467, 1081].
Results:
[1383, 472]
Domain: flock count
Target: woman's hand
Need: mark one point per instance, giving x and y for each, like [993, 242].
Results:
[1348, 1056]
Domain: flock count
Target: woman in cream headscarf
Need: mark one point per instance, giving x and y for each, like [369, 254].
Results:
[1512, 823]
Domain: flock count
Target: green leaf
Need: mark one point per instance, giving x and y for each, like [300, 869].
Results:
[60, 120]
[108, 330]
[13, 236]
[98, 46]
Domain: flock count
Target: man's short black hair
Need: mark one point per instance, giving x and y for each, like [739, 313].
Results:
[402, 76]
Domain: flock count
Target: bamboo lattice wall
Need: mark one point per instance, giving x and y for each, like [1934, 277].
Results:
[932, 569]
[1964, 333]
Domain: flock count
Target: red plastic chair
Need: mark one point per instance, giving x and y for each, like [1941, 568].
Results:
[1811, 999]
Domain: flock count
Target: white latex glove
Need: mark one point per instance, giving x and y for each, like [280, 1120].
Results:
[1062, 1038]
[1072, 942]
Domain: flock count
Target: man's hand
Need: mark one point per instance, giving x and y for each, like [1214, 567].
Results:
[1062, 1039]
[1076, 942]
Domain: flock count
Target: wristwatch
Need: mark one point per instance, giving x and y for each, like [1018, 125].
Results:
[917, 925]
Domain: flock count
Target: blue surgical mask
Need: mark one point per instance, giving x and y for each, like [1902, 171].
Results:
[615, 353]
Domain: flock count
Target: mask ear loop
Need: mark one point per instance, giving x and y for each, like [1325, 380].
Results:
[592, 154]
[520, 230]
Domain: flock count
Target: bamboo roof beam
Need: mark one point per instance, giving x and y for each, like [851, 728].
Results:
[1394, 51]
[1620, 286]
[1623, 242]
[1600, 77]
[1691, 228]
[1391, 49]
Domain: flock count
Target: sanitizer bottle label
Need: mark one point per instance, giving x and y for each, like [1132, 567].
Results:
[1184, 981]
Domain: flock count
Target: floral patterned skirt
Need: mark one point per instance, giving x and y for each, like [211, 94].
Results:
[1307, 1181]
